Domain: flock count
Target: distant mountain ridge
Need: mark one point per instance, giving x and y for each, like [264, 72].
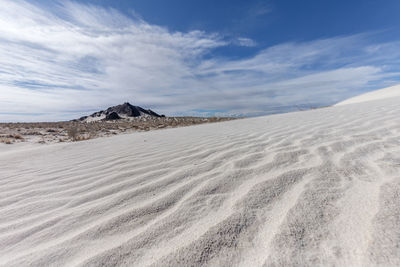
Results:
[124, 111]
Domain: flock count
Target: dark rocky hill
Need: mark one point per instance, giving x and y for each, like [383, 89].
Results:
[125, 110]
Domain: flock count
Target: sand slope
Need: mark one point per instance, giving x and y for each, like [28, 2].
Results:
[389, 92]
[314, 188]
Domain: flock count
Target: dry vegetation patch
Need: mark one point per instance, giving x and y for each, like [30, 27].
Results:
[50, 132]
[11, 138]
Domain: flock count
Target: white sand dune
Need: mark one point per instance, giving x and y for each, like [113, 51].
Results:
[389, 92]
[314, 188]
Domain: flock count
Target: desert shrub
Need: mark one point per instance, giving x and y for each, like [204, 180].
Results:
[4, 140]
[80, 134]
[33, 133]
[73, 132]
[10, 138]
[17, 137]
[83, 137]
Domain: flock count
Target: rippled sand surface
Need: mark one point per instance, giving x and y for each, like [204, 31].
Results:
[314, 188]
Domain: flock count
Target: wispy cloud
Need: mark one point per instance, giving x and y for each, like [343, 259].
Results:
[261, 8]
[73, 58]
[242, 41]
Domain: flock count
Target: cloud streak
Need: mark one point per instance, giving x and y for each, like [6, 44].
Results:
[64, 61]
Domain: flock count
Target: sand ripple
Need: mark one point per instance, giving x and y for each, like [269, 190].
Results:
[315, 188]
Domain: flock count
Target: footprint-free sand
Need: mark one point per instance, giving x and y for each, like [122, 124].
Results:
[311, 188]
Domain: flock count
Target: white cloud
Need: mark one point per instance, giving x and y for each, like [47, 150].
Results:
[242, 41]
[59, 62]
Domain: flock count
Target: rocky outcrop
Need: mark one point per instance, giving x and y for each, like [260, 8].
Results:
[112, 116]
[125, 110]
[131, 111]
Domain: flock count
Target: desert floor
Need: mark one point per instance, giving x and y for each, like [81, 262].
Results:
[71, 131]
[312, 188]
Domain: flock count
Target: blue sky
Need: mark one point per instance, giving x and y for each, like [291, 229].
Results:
[63, 59]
